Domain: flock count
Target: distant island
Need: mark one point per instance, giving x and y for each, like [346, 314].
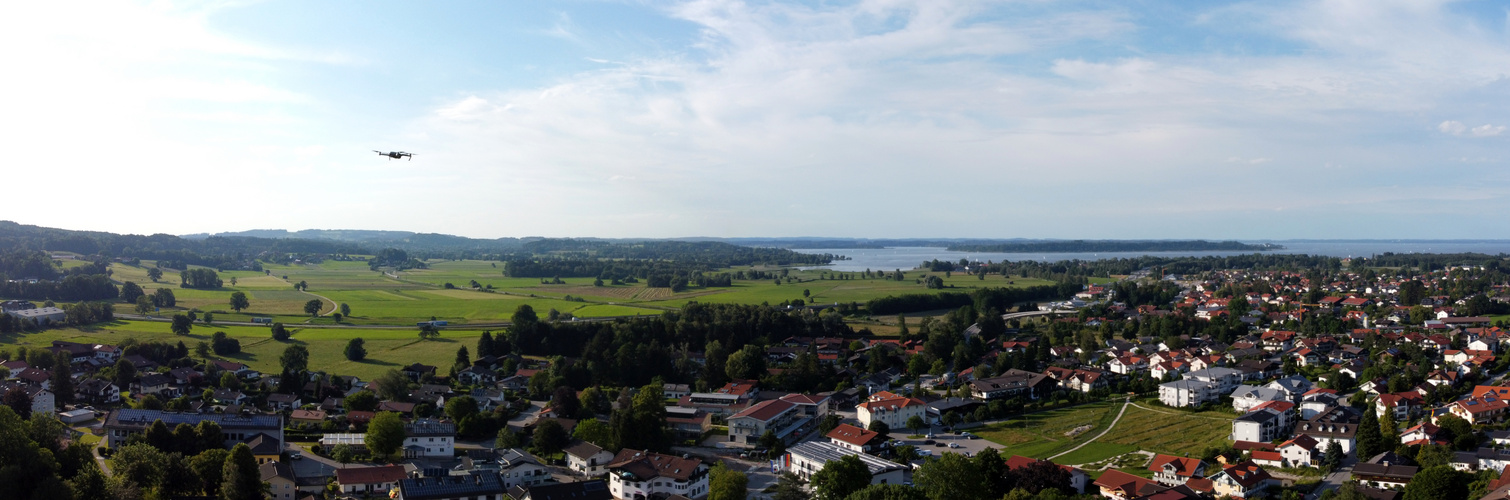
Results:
[1113, 246]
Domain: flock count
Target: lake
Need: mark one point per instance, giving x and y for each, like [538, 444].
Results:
[904, 258]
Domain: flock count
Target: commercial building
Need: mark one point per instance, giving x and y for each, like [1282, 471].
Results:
[121, 424]
[809, 457]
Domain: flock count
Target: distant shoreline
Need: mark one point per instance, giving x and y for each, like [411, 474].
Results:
[1116, 246]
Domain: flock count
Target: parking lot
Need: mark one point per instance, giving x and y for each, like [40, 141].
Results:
[948, 442]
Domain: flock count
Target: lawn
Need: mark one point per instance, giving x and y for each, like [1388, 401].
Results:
[1043, 434]
[1170, 432]
[387, 348]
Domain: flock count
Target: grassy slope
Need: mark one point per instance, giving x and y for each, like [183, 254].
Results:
[385, 348]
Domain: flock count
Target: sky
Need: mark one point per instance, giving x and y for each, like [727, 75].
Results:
[883, 118]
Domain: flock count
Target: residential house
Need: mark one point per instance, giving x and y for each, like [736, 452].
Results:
[429, 438]
[1187, 393]
[1294, 386]
[1010, 384]
[1119, 485]
[280, 401]
[1384, 470]
[642, 474]
[518, 468]
[1264, 423]
[1174, 471]
[98, 391]
[1243, 480]
[1079, 480]
[1225, 379]
[307, 417]
[158, 385]
[856, 439]
[42, 400]
[1338, 424]
[1402, 405]
[1300, 451]
[281, 483]
[1245, 397]
[587, 459]
[368, 481]
[894, 410]
[478, 486]
[688, 423]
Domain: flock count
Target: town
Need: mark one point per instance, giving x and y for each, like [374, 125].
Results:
[1356, 382]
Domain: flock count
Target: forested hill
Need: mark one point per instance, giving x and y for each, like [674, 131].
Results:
[1114, 246]
[234, 250]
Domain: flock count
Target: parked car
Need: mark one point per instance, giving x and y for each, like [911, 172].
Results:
[954, 445]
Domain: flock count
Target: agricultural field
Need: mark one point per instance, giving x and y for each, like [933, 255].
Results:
[386, 348]
[1044, 434]
[378, 298]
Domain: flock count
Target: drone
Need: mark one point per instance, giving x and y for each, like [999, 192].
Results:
[394, 155]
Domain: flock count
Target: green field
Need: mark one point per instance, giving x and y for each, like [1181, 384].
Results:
[1170, 432]
[1042, 434]
[1158, 430]
[386, 349]
[378, 298]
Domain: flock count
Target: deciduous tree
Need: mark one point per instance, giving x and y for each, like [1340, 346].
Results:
[356, 349]
[239, 301]
[241, 480]
[840, 478]
[385, 434]
[726, 484]
[182, 324]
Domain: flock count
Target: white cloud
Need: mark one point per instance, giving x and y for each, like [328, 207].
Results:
[1486, 130]
[1454, 127]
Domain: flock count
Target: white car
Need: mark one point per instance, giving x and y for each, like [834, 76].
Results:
[954, 445]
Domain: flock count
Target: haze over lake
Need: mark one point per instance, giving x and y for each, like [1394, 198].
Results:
[909, 257]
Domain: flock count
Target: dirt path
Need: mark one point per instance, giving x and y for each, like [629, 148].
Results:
[1109, 428]
[1166, 412]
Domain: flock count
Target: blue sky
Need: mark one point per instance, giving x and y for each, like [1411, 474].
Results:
[886, 118]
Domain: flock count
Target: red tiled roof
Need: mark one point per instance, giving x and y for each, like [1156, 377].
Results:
[887, 404]
[1183, 466]
[1116, 480]
[765, 410]
[852, 435]
[369, 475]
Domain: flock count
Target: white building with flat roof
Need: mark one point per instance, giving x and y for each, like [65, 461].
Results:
[808, 457]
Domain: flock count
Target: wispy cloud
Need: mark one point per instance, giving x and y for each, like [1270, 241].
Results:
[1454, 127]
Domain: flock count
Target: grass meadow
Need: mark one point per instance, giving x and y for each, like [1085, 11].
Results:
[378, 298]
[386, 348]
[1170, 432]
[1043, 434]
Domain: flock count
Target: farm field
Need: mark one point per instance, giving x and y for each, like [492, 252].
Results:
[1043, 434]
[418, 295]
[391, 348]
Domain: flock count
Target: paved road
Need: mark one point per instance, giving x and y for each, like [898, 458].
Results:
[1109, 428]
[1335, 479]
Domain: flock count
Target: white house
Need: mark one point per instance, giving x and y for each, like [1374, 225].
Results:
[429, 438]
[894, 411]
[643, 474]
[1184, 393]
[587, 459]
[1245, 397]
